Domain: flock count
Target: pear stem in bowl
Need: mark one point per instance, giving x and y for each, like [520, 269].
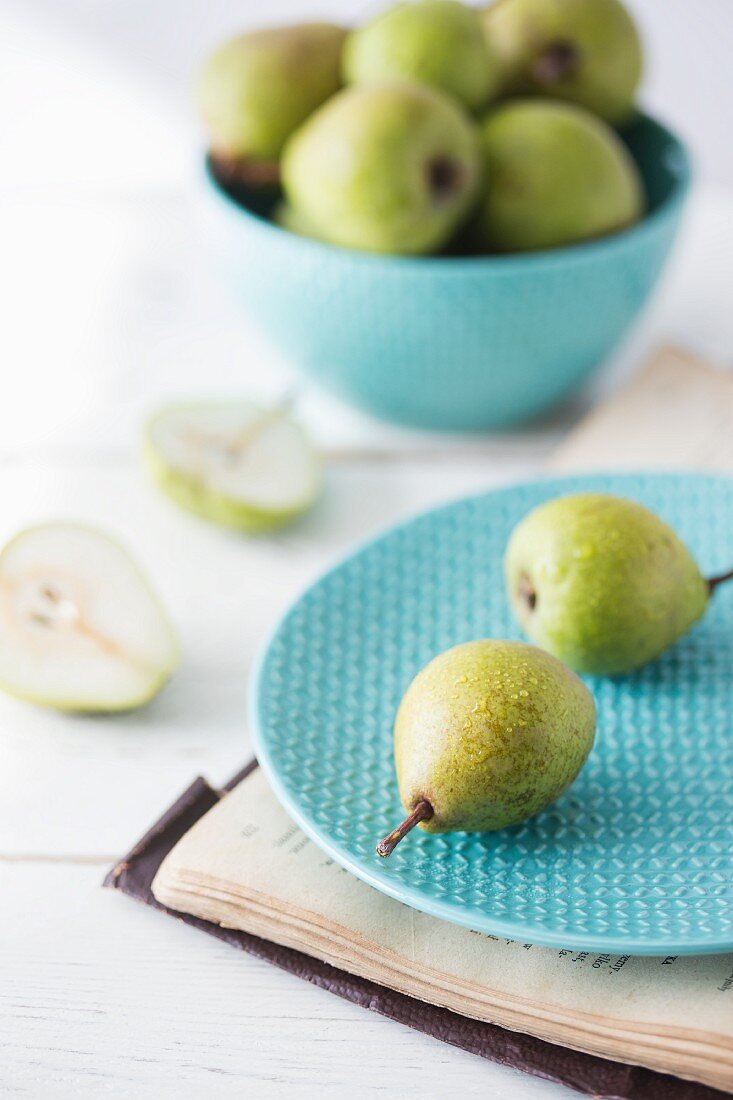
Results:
[233, 172]
[423, 812]
[556, 62]
[713, 582]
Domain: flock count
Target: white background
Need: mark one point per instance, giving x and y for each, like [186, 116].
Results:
[109, 306]
[77, 56]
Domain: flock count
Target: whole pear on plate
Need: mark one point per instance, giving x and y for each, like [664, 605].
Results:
[256, 89]
[554, 175]
[585, 51]
[487, 734]
[385, 168]
[80, 627]
[602, 582]
[436, 42]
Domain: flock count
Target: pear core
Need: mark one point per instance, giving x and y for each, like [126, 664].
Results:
[232, 462]
[81, 630]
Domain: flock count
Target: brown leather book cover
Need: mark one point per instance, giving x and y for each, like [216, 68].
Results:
[598, 1077]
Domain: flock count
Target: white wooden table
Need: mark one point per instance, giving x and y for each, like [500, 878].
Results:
[109, 307]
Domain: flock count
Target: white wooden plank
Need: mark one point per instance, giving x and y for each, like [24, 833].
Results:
[101, 997]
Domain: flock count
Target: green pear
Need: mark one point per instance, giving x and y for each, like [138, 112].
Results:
[80, 627]
[602, 583]
[585, 51]
[385, 168]
[436, 42]
[488, 734]
[554, 175]
[287, 217]
[233, 463]
[255, 91]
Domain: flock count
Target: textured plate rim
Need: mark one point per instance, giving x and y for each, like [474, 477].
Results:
[475, 920]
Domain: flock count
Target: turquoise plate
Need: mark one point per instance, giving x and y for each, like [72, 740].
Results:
[637, 857]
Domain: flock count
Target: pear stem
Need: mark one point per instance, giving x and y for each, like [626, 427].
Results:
[557, 61]
[423, 812]
[233, 172]
[713, 582]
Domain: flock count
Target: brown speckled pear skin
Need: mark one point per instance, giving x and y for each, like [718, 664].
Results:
[602, 582]
[489, 733]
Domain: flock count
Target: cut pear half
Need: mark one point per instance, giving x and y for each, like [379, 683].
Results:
[80, 628]
[233, 462]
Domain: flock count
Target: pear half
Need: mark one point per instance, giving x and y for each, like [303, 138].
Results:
[233, 463]
[80, 627]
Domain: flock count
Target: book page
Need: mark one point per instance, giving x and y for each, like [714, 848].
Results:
[248, 839]
[676, 414]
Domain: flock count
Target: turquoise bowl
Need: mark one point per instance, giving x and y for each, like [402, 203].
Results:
[451, 342]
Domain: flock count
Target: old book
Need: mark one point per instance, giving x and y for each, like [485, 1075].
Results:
[676, 414]
[245, 866]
